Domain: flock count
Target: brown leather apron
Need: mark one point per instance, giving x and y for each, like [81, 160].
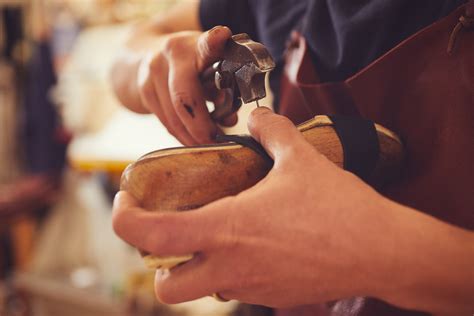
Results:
[423, 89]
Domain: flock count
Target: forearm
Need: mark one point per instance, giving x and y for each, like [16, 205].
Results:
[429, 265]
[124, 78]
[144, 39]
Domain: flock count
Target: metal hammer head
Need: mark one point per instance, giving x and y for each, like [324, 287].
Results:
[243, 68]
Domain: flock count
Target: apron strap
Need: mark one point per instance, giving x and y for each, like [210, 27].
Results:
[360, 144]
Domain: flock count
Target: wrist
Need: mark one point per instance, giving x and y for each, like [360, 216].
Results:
[426, 263]
[380, 257]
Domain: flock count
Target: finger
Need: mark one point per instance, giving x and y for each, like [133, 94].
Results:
[174, 123]
[146, 89]
[167, 117]
[186, 282]
[208, 271]
[160, 233]
[230, 120]
[148, 94]
[223, 98]
[209, 88]
[155, 97]
[188, 101]
[277, 134]
[195, 279]
[211, 45]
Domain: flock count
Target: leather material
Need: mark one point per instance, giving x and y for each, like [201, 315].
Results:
[246, 141]
[426, 96]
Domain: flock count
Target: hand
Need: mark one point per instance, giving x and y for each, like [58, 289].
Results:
[169, 84]
[309, 232]
[292, 239]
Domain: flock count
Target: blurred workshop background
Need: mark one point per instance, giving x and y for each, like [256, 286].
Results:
[64, 141]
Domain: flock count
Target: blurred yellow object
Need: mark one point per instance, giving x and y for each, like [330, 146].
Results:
[95, 12]
[140, 282]
[109, 166]
[159, 262]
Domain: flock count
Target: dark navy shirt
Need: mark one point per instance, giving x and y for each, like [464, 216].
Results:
[343, 35]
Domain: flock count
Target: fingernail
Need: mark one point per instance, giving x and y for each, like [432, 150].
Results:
[261, 110]
[117, 196]
[161, 274]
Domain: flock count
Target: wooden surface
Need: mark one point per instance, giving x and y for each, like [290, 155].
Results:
[182, 179]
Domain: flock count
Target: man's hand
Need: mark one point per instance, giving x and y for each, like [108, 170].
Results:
[290, 240]
[168, 83]
[309, 232]
[158, 72]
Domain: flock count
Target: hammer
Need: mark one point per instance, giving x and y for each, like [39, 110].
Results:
[240, 74]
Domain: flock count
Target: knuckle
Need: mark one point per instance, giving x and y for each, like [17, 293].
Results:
[169, 43]
[118, 221]
[116, 225]
[161, 238]
[175, 44]
[154, 65]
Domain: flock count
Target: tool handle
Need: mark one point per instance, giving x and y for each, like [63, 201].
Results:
[181, 179]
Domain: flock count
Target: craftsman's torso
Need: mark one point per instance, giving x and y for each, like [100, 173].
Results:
[343, 36]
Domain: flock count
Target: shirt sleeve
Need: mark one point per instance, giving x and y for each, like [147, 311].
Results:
[235, 14]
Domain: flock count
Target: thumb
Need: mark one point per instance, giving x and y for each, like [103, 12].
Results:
[211, 45]
[161, 233]
[277, 134]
